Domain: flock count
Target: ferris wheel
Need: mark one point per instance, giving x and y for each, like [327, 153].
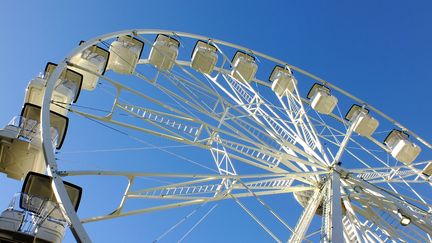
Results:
[263, 127]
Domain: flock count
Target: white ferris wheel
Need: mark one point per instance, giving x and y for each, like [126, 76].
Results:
[264, 127]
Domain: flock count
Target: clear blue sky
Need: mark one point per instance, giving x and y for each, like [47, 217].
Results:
[378, 50]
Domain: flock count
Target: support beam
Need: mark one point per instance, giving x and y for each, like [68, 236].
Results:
[335, 227]
[295, 175]
[191, 201]
[307, 216]
[418, 216]
[345, 141]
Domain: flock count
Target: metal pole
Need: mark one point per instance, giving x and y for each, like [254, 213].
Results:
[336, 228]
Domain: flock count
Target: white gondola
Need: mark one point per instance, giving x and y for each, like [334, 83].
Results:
[401, 147]
[282, 80]
[51, 231]
[59, 123]
[11, 219]
[19, 155]
[321, 99]
[39, 185]
[94, 59]
[204, 57]
[124, 54]
[66, 90]
[244, 67]
[34, 215]
[364, 124]
[20, 148]
[164, 52]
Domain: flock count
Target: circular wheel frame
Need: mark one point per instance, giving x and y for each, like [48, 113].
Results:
[262, 143]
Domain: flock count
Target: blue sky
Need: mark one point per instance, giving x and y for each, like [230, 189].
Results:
[380, 51]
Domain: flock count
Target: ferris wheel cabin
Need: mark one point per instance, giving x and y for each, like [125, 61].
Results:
[66, 90]
[34, 215]
[321, 99]
[164, 52]
[204, 57]
[401, 147]
[244, 67]
[20, 147]
[124, 54]
[94, 59]
[282, 80]
[364, 124]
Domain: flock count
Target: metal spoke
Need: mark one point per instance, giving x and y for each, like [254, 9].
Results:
[307, 215]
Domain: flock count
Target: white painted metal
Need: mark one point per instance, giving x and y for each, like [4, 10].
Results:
[307, 215]
[58, 186]
[392, 203]
[428, 169]
[334, 232]
[281, 139]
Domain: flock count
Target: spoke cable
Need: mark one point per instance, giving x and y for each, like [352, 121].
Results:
[179, 222]
[255, 218]
[197, 223]
[267, 207]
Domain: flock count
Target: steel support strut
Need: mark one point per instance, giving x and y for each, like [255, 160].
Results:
[335, 229]
[307, 216]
